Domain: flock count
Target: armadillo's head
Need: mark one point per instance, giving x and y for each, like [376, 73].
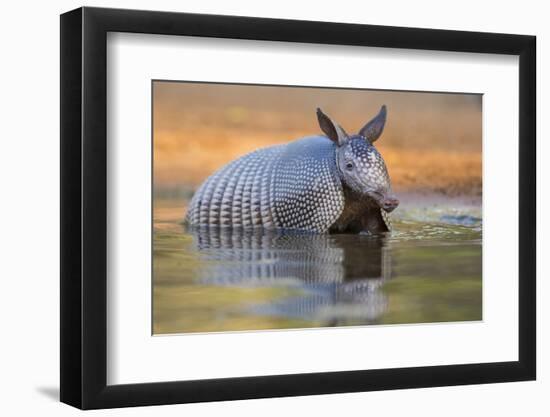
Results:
[360, 165]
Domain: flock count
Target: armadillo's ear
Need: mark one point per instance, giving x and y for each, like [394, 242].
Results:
[373, 129]
[332, 129]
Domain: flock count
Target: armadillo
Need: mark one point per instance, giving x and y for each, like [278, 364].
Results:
[332, 183]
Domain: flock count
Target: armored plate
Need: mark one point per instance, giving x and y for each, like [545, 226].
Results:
[293, 186]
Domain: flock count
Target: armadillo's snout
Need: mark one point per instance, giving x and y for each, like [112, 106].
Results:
[390, 203]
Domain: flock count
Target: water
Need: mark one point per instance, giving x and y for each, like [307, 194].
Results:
[211, 280]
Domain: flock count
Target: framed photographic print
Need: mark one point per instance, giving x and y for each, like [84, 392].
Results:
[256, 208]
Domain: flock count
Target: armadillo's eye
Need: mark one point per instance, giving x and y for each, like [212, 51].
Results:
[349, 165]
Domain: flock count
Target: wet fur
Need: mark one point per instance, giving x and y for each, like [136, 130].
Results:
[360, 214]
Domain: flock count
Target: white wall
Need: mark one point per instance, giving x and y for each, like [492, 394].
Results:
[29, 96]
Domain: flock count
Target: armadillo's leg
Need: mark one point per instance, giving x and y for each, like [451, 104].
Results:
[373, 221]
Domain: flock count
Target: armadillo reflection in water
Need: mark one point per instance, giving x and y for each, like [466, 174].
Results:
[335, 279]
[335, 183]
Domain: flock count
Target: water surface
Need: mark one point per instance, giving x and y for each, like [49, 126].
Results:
[211, 280]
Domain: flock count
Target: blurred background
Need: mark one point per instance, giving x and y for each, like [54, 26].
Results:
[431, 142]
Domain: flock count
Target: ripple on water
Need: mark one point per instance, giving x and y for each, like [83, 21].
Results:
[427, 270]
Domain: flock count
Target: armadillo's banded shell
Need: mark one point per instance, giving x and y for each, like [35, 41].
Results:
[293, 186]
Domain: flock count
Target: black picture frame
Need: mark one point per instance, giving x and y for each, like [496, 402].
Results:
[84, 207]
